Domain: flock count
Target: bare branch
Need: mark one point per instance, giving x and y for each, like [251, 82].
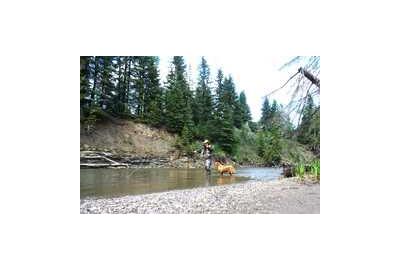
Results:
[304, 104]
[283, 84]
[309, 76]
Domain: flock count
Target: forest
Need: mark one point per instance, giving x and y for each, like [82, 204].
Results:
[130, 88]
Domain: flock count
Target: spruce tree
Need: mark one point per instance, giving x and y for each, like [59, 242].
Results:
[218, 108]
[231, 99]
[224, 116]
[203, 104]
[274, 110]
[107, 83]
[95, 78]
[147, 95]
[155, 103]
[308, 130]
[244, 110]
[121, 106]
[84, 84]
[203, 101]
[265, 112]
[139, 86]
[174, 104]
[179, 99]
[219, 87]
[226, 137]
[229, 94]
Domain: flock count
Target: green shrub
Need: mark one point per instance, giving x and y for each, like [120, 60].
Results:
[269, 146]
[218, 153]
[246, 150]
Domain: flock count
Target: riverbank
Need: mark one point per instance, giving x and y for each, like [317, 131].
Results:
[107, 159]
[128, 144]
[285, 196]
[104, 159]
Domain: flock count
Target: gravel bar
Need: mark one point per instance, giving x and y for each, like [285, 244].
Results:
[285, 196]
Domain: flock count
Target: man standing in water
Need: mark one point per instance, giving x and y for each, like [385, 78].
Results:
[206, 152]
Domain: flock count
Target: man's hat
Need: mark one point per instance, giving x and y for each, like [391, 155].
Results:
[205, 141]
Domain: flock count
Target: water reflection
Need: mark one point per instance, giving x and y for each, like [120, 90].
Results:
[225, 180]
[119, 182]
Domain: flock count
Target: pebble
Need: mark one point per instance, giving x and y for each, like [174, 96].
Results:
[280, 196]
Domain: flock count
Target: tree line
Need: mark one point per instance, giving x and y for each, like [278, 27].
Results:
[129, 87]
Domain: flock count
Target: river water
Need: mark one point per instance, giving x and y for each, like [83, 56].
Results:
[120, 182]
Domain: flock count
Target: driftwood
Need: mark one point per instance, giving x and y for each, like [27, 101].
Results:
[100, 159]
[99, 156]
[103, 165]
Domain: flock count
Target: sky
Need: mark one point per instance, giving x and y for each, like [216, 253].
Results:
[255, 75]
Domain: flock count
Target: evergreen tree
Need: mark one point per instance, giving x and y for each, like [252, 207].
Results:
[219, 87]
[265, 112]
[95, 78]
[270, 114]
[154, 99]
[174, 104]
[244, 108]
[314, 132]
[84, 83]
[203, 104]
[179, 98]
[223, 123]
[237, 113]
[308, 131]
[219, 96]
[274, 110]
[107, 82]
[147, 96]
[139, 85]
[218, 116]
[229, 95]
[121, 105]
[226, 137]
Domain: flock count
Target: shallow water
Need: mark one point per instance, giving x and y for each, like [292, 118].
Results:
[120, 182]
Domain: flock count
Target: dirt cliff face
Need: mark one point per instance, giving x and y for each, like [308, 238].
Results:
[129, 137]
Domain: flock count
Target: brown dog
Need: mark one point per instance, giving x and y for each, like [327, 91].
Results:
[224, 168]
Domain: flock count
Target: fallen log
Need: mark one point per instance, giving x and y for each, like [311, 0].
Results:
[92, 157]
[109, 159]
[103, 165]
[98, 156]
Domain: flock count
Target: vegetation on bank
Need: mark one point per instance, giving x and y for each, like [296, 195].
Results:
[311, 170]
[129, 87]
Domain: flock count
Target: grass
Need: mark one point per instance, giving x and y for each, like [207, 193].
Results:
[300, 170]
[315, 169]
[311, 170]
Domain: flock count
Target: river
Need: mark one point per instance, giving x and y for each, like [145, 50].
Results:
[119, 182]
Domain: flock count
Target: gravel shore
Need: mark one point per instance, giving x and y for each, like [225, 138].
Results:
[272, 197]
